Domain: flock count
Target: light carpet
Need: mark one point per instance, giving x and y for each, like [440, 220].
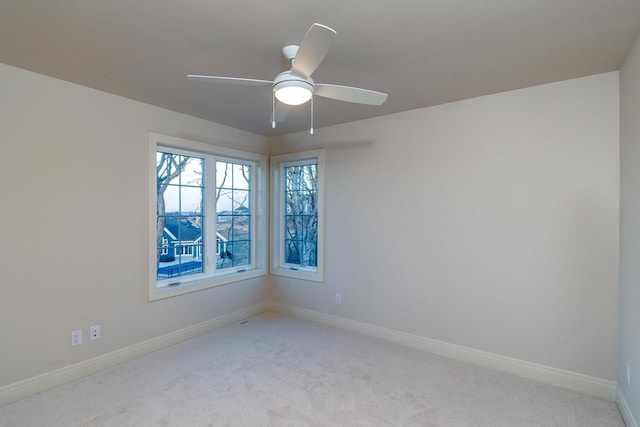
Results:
[276, 370]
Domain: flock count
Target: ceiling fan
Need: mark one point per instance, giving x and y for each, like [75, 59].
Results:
[295, 86]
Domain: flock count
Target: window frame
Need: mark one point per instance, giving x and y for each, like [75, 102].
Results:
[278, 266]
[212, 277]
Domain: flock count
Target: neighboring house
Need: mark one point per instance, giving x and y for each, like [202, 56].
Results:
[183, 236]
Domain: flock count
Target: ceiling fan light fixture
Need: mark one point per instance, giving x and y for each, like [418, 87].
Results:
[293, 92]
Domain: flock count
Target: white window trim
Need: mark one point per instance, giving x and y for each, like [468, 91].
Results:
[259, 244]
[278, 267]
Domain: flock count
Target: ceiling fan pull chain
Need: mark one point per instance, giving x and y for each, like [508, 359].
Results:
[273, 109]
[311, 130]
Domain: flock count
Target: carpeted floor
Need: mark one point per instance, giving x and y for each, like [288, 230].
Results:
[280, 371]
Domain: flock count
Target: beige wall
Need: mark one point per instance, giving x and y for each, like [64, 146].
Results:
[629, 327]
[490, 223]
[73, 180]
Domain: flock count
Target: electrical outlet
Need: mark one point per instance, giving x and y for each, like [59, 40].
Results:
[338, 299]
[76, 337]
[94, 332]
[628, 375]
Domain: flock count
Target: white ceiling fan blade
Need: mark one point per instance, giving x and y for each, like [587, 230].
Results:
[281, 112]
[232, 80]
[313, 49]
[350, 94]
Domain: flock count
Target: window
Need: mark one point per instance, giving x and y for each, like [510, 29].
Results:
[206, 216]
[297, 215]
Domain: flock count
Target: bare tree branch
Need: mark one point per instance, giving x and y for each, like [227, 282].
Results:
[169, 167]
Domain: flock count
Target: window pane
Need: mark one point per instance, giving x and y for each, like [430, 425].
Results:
[171, 197]
[238, 228]
[190, 199]
[192, 172]
[237, 253]
[240, 201]
[241, 177]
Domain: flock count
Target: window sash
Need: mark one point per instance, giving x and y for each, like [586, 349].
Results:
[183, 192]
[299, 249]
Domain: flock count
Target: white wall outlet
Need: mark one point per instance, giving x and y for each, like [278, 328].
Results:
[94, 332]
[338, 299]
[76, 337]
[628, 375]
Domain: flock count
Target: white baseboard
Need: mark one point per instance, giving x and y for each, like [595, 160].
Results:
[627, 416]
[573, 381]
[592, 386]
[17, 391]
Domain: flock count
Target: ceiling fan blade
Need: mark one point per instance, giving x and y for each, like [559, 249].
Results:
[281, 112]
[232, 80]
[350, 94]
[313, 49]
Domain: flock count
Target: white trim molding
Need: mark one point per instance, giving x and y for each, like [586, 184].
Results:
[25, 388]
[570, 380]
[581, 383]
[623, 407]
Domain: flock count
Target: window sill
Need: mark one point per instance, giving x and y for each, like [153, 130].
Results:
[311, 275]
[187, 286]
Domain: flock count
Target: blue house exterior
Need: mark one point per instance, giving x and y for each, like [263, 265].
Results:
[183, 237]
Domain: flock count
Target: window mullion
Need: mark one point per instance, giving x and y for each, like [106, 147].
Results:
[211, 218]
[283, 216]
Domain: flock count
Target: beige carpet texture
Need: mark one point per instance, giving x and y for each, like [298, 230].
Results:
[275, 370]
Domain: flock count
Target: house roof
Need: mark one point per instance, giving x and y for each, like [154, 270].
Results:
[422, 53]
[191, 232]
[182, 228]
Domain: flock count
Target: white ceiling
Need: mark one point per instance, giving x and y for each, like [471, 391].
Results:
[421, 52]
